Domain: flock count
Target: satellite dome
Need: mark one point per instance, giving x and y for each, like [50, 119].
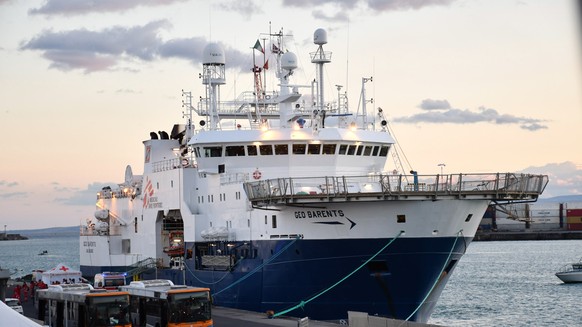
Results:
[213, 54]
[289, 61]
[320, 36]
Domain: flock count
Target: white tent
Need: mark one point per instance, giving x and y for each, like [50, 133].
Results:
[61, 274]
[9, 317]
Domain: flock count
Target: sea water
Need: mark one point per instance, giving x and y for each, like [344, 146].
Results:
[505, 283]
[22, 257]
[512, 283]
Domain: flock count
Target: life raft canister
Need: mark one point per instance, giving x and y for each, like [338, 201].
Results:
[257, 174]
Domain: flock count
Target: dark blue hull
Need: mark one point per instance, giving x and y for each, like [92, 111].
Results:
[404, 281]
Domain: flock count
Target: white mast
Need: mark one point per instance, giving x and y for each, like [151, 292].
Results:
[288, 64]
[213, 75]
[319, 58]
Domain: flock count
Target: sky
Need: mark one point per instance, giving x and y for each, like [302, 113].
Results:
[476, 85]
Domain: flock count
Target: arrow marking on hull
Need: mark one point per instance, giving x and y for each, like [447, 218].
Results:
[353, 223]
[336, 222]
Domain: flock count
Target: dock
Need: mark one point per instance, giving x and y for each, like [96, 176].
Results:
[228, 317]
[528, 235]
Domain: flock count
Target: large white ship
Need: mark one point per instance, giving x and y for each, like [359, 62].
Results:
[281, 204]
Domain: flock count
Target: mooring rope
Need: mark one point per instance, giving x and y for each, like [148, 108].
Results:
[259, 267]
[303, 303]
[200, 280]
[437, 279]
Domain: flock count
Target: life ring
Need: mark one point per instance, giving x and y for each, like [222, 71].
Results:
[257, 174]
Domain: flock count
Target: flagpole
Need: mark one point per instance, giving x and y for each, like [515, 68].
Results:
[253, 70]
[264, 70]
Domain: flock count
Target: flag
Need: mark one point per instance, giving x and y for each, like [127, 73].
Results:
[266, 65]
[276, 50]
[258, 46]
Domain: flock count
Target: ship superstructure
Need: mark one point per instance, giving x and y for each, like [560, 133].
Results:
[276, 205]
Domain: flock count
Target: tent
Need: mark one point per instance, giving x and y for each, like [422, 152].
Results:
[14, 319]
[61, 274]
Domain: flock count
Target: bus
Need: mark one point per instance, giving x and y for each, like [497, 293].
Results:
[160, 303]
[80, 305]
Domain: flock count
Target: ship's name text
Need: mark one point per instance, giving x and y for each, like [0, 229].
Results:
[89, 245]
[319, 214]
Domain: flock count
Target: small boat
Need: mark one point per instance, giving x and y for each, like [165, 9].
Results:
[571, 273]
[176, 248]
[44, 252]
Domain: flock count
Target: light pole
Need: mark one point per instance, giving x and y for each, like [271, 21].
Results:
[442, 165]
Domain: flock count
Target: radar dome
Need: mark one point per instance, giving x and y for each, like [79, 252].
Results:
[289, 61]
[320, 36]
[213, 54]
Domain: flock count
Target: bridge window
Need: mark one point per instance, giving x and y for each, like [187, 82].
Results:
[213, 151]
[375, 151]
[384, 150]
[343, 148]
[314, 149]
[367, 150]
[360, 149]
[329, 148]
[235, 151]
[274, 221]
[281, 149]
[299, 148]
[266, 150]
[252, 150]
[352, 149]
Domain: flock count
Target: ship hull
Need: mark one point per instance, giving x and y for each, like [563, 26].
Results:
[331, 277]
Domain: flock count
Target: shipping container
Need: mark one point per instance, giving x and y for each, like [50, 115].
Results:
[573, 213]
[575, 226]
[574, 220]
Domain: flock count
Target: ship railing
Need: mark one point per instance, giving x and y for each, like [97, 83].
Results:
[165, 165]
[143, 266]
[508, 187]
[117, 194]
[96, 231]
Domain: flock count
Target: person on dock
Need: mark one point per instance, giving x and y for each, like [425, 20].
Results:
[25, 290]
[17, 292]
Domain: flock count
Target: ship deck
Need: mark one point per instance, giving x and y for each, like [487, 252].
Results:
[499, 187]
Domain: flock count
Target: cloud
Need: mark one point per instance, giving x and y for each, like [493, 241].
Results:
[11, 195]
[430, 104]
[188, 49]
[80, 7]
[340, 16]
[314, 3]
[565, 178]
[78, 197]
[340, 9]
[113, 47]
[440, 111]
[101, 50]
[395, 5]
[7, 190]
[246, 8]
[8, 184]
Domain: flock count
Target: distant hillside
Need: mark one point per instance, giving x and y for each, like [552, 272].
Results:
[562, 199]
[48, 232]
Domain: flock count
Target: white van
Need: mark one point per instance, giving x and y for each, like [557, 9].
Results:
[14, 304]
